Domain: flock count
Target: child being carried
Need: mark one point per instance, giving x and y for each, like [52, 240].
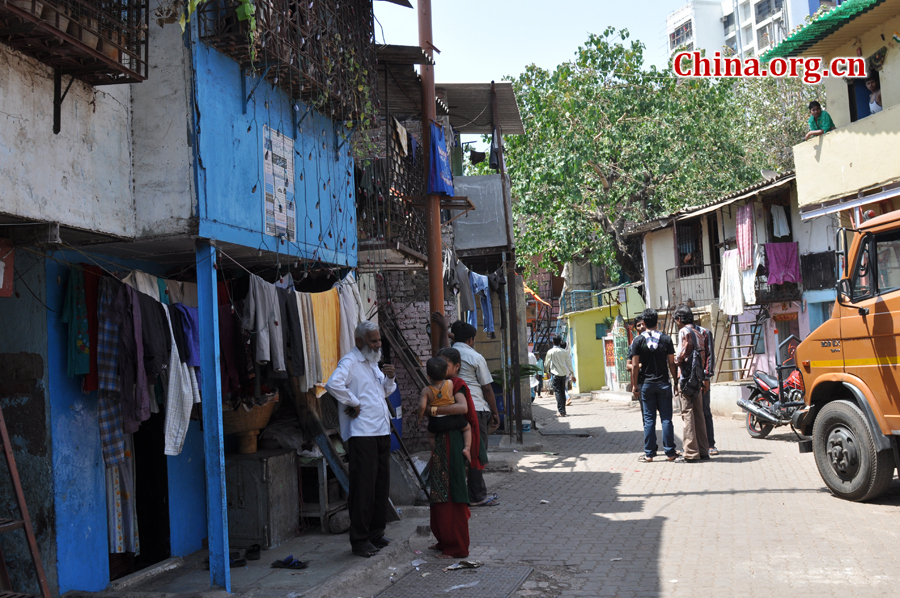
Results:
[440, 394]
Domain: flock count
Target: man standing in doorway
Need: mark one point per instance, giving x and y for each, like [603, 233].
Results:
[361, 387]
[475, 373]
[691, 383]
[557, 362]
[652, 362]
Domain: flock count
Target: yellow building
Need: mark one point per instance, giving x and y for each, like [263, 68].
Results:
[855, 164]
[589, 329]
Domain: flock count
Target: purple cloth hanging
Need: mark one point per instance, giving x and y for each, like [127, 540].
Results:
[783, 262]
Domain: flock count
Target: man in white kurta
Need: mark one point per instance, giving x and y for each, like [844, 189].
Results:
[361, 387]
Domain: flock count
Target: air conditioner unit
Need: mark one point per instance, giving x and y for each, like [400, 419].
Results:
[724, 19]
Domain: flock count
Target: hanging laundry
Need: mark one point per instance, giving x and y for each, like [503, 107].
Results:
[181, 394]
[401, 136]
[313, 368]
[327, 313]
[231, 380]
[135, 393]
[730, 296]
[285, 282]
[749, 276]
[497, 283]
[440, 175]
[92, 276]
[783, 262]
[476, 157]
[744, 233]
[163, 291]
[74, 313]
[480, 287]
[495, 150]
[368, 297]
[155, 334]
[780, 226]
[189, 294]
[109, 397]
[294, 332]
[457, 278]
[189, 318]
[414, 148]
[351, 312]
[261, 317]
[121, 509]
[144, 283]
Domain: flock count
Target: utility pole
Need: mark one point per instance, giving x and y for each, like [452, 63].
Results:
[511, 287]
[432, 201]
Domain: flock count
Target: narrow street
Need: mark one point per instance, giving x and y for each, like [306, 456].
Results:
[756, 521]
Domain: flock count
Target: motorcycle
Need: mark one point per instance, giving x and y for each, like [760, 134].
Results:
[772, 402]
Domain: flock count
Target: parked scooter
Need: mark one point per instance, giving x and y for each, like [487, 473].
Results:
[772, 401]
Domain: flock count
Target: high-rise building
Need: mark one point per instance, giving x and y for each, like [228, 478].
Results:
[748, 27]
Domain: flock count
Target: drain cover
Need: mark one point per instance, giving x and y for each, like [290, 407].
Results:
[484, 582]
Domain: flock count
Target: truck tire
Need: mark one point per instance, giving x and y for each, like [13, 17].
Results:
[845, 453]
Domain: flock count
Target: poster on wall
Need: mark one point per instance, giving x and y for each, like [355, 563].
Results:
[280, 209]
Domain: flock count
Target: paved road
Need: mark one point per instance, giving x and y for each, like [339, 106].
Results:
[756, 521]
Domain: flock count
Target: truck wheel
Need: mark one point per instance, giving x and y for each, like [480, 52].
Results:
[846, 456]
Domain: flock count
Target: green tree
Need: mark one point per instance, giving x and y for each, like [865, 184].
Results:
[608, 143]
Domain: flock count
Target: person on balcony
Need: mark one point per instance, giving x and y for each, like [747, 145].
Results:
[819, 121]
[873, 84]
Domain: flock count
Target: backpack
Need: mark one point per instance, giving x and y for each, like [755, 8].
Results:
[694, 380]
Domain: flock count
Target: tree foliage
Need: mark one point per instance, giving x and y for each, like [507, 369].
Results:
[609, 142]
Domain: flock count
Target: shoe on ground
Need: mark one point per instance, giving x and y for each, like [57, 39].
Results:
[713, 451]
[381, 542]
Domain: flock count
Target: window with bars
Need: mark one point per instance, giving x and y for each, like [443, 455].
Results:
[681, 35]
[690, 248]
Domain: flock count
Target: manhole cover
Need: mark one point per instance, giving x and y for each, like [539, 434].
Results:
[484, 582]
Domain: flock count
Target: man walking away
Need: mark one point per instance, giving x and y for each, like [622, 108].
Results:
[358, 384]
[691, 359]
[474, 372]
[709, 345]
[557, 362]
[652, 362]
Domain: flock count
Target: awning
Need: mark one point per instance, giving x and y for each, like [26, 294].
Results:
[470, 107]
[835, 28]
[849, 203]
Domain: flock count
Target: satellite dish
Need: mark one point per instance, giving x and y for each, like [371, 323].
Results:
[768, 174]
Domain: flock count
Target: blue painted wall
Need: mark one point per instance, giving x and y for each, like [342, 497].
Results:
[230, 173]
[79, 484]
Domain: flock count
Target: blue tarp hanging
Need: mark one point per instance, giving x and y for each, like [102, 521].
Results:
[440, 178]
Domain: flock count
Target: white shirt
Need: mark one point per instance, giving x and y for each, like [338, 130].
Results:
[356, 381]
[557, 362]
[532, 360]
[474, 371]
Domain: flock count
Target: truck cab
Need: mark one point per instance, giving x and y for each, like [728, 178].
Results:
[851, 366]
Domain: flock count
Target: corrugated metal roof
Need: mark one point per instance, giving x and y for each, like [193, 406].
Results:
[849, 20]
[470, 107]
[691, 211]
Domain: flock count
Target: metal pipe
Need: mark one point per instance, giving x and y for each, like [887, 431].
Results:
[432, 202]
[511, 286]
[758, 412]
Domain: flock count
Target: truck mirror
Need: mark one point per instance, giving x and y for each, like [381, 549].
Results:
[844, 288]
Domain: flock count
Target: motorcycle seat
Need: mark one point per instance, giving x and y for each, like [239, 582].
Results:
[769, 382]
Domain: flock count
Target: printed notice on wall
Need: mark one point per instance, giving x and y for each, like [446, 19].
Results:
[280, 208]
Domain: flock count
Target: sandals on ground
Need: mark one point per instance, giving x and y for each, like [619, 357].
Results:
[290, 563]
[645, 459]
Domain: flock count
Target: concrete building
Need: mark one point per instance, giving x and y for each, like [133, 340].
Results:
[747, 27]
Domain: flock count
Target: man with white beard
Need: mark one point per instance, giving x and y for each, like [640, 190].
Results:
[365, 427]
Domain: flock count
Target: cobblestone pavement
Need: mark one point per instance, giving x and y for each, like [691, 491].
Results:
[755, 521]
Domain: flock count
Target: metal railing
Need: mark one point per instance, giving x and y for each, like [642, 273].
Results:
[578, 300]
[697, 287]
[319, 51]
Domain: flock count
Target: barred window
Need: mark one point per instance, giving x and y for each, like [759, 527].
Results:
[689, 236]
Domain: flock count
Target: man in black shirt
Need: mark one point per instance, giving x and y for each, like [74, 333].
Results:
[638, 328]
[652, 362]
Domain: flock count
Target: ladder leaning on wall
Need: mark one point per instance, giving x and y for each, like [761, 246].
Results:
[742, 352]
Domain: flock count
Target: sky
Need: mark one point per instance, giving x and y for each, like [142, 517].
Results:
[484, 40]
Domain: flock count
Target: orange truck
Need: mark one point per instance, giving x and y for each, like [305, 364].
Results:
[851, 367]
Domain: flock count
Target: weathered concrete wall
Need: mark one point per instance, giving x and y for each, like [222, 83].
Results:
[164, 195]
[81, 177]
[23, 397]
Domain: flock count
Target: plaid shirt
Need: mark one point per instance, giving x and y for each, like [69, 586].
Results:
[109, 403]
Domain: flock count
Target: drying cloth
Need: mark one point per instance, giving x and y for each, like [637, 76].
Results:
[121, 511]
[368, 297]
[109, 397]
[294, 332]
[464, 284]
[189, 317]
[730, 295]
[780, 226]
[749, 276]
[285, 282]
[144, 283]
[350, 312]
[92, 276]
[480, 286]
[401, 136]
[74, 313]
[189, 297]
[175, 291]
[228, 358]
[744, 231]
[261, 315]
[313, 371]
[497, 282]
[135, 394]
[180, 397]
[163, 291]
[327, 314]
[783, 262]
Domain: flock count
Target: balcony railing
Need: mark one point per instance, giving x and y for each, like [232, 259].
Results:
[101, 42]
[385, 215]
[578, 300]
[318, 51]
[702, 289]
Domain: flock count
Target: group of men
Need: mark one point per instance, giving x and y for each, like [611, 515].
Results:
[362, 387]
[659, 371]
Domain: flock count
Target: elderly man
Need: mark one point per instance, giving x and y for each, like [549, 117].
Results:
[365, 427]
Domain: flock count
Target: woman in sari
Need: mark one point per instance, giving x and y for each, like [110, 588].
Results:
[449, 493]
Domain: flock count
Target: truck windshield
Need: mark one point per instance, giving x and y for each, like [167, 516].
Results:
[887, 248]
